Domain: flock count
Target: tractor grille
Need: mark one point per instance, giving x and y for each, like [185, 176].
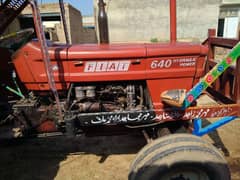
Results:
[9, 10]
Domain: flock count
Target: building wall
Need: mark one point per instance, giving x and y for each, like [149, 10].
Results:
[44, 8]
[60, 33]
[230, 1]
[89, 35]
[89, 29]
[88, 21]
[73, 21]
[143, 20]
[230, 17]
[76, 31]
[196, 17]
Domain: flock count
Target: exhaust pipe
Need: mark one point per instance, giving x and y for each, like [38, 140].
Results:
[173, 21]
[102, 23]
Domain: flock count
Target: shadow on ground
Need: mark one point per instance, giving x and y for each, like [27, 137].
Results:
[86, 158]
[39, 159]
[214, 135]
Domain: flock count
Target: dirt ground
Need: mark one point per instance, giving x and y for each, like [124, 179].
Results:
[92, 158]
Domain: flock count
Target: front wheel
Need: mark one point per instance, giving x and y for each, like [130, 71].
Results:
[179, 157]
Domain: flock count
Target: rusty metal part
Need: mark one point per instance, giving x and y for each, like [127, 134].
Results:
[173, 21]
[109, 107]
[90, 91]
[146, 136]
[45, 54]
[223, 42]
[15, 126]
[237, 82]
[50, 134]
[141, 97]
[62, 10]
[8, 132]
[80, 93]
[131, 96]
[89, 107]
[102, 23]
[17, 132]
[229, 83]
[97, 107]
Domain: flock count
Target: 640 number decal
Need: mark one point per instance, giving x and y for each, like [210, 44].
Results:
[161, 64]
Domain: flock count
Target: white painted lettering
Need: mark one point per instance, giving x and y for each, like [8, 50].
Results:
[168, 63]
[106, 66]
[102, 66]
[90, 67]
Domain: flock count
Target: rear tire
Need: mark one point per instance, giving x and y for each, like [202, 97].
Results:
[179, 157]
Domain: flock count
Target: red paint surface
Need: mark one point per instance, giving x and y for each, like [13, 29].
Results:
[229, 60]
[47, 126]
[172, 72]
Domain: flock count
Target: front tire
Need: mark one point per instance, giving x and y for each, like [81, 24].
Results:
[179, 157]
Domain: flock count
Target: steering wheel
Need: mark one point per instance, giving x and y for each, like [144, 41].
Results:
[15, 40]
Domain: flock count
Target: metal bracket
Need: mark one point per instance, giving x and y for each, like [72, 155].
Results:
[200, 131]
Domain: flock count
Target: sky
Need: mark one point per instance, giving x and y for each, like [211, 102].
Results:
[85, 6]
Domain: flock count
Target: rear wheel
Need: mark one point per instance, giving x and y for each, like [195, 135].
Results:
[179, 157]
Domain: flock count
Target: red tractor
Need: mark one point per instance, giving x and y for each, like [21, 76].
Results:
[109, 88]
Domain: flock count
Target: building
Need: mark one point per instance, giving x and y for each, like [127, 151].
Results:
[144, 20]
[89, 30]
[229, 19]
[139, 20]
[51, 19]
[79, 31]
